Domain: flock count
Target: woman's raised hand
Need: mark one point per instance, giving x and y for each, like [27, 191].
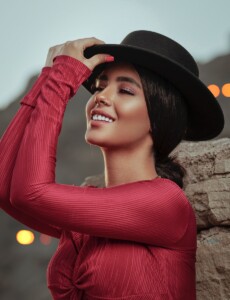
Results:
[76, 49]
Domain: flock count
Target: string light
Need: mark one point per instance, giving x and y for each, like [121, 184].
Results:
[45, 239]
[214, 89]
[226, 89]
[25, 237]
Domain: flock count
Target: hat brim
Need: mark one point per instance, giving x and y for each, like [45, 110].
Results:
[205, 116]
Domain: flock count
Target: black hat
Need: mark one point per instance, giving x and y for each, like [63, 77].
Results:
[173, 62]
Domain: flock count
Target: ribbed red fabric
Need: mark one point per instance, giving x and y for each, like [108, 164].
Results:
[133, 241]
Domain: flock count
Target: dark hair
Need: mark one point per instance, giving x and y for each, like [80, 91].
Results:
[168, 118]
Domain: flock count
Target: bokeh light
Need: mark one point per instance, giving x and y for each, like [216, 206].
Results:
[45, 239]
[226, 89]
[214, 89]
[25, 237]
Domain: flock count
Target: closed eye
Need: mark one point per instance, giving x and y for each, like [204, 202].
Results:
[126, 91]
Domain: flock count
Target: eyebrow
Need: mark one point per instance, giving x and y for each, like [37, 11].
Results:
[120, 79]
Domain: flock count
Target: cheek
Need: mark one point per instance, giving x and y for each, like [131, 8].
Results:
[89, 106]
[135, 114]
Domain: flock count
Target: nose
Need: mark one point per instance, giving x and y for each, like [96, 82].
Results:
[102, 98]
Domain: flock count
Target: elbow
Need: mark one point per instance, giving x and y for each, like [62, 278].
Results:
[16, 199]
[3, 197]
[4, 193]
[18, 194]
[24, 195]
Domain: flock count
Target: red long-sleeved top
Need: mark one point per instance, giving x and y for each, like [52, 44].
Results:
[133, 241]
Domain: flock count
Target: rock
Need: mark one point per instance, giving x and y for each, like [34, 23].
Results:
[213, 264]
[207, 184]
[205, 160]
[211, 201]
[96, 180]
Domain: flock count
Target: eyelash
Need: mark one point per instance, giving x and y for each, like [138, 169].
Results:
[121, 90]
[127, 91]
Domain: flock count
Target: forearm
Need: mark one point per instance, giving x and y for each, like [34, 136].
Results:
[37, 154]
[9, 147]
[11, 140]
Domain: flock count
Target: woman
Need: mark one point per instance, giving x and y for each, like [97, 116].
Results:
[136, 237]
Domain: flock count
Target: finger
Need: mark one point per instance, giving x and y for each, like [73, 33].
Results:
[98, 59]
[88, 42]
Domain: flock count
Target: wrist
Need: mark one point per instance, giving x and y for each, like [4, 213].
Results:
[72, 69]
[31, 97]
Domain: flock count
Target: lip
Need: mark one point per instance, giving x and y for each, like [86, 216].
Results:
[101, 112]
[94, 123]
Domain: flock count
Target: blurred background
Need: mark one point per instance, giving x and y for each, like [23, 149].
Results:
[27, 30]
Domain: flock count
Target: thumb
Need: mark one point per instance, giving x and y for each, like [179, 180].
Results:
[98, 59]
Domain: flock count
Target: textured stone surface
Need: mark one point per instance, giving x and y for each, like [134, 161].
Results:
[211, 201]
[207, 183]
[205, 160]
[213, 264]
[207, 186]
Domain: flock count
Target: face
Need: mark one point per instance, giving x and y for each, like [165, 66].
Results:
[117, 115]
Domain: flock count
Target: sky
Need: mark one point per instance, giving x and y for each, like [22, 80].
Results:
[28, 28]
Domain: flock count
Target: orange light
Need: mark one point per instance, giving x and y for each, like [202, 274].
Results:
[214, 89]
[25, 237]
[226, 89]
[45, 239]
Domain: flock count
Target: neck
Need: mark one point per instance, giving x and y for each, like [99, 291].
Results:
[125, 166]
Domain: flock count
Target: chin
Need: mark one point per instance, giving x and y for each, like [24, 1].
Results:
[101, 143]
[92, 140]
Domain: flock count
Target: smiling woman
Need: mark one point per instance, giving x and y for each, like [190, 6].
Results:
[136, 237]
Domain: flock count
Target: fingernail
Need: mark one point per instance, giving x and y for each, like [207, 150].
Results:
[109, 58]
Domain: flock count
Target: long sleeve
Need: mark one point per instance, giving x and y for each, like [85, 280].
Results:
[9, 146]
[154, 212]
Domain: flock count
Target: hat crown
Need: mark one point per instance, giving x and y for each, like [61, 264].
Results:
[163, 46]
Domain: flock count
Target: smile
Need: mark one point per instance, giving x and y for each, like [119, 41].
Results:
[101, 118]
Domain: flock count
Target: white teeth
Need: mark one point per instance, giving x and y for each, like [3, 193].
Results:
[101, 118]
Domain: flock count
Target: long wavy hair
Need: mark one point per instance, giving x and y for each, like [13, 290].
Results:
[168, 117]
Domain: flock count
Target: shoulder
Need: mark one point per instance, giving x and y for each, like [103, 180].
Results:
[168, 195]
[165, 187]
[158, 190]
